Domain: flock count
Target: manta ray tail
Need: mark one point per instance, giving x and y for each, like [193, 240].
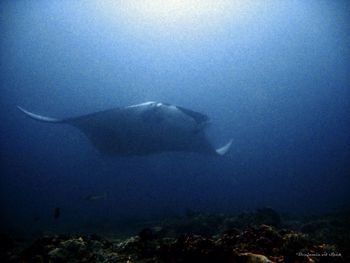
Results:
[39, 117]
[224, 149]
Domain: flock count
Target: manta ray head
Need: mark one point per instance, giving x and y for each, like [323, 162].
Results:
[173, 116]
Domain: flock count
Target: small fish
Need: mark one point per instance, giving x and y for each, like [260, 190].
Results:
[57, 212]
[96, 197]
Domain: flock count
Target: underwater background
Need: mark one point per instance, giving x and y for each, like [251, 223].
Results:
[271, 75]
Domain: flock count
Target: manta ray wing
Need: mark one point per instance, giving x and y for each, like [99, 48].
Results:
[105, 129]
[101, 128]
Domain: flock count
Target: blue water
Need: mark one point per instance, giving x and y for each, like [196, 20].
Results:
[272, 75]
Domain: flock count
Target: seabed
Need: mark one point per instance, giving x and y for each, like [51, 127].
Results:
[260, 236]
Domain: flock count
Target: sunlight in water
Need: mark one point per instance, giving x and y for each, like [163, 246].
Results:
[169, 16]
[171, 11]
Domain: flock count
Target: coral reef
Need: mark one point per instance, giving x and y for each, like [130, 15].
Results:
[259, 237]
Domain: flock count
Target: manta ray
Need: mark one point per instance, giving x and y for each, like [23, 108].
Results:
[146, 128]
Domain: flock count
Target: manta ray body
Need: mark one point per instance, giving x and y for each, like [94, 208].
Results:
[142, 129]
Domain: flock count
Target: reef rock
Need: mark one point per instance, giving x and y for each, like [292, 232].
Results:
[253, 258]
